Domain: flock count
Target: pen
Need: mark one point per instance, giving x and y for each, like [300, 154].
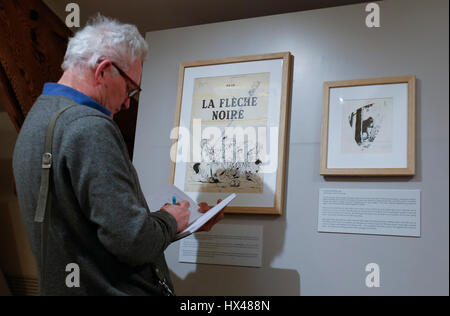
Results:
[174, 200]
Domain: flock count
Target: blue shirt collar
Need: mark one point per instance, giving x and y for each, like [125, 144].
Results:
[56, 89]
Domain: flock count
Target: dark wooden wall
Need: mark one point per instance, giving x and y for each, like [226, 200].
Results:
[33, 42]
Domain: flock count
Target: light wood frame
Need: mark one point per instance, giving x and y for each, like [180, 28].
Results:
[286, 57]
[411, 121]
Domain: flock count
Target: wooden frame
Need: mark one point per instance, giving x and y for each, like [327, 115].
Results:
[213, 73]
[394, 95]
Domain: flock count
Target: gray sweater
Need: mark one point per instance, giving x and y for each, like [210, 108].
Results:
[99, 217]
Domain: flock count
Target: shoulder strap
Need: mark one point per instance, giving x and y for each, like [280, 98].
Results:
[46, 165]
[44, 202]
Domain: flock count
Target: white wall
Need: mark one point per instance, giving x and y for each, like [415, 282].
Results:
[328, 44]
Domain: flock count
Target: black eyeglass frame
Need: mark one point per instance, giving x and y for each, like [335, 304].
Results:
[133, 92]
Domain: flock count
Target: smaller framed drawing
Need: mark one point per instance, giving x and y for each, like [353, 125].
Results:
[368, 127]
[230, 131]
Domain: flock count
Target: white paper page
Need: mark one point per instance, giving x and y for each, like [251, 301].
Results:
[239, 245]
[158, 199]
[376, 212]
[208, 215]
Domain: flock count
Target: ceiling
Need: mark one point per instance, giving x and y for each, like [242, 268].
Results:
[151, 15]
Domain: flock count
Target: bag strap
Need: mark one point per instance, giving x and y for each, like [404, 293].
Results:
[44, 202]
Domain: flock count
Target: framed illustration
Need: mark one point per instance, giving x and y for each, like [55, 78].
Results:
[231, 129]
[368, 127]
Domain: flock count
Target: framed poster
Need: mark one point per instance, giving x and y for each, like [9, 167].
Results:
[368, 127]
[230, 131]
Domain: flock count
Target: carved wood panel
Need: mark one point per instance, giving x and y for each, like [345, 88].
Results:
[33, 42]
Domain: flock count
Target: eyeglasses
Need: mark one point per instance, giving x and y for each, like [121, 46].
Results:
[131, 92]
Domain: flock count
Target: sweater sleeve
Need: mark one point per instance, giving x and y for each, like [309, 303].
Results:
[107, 192]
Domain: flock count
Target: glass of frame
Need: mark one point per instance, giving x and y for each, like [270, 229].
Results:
[368, 127]
[230, 131]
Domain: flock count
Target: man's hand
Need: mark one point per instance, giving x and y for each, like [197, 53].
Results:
[204, 207]
[181, 213]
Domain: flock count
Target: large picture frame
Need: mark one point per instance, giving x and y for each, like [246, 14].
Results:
[368, 127]
[230, 132]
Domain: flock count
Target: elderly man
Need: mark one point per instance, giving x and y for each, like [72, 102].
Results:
[97, 218]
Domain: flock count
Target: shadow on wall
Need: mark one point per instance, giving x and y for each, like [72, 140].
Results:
[224, 280]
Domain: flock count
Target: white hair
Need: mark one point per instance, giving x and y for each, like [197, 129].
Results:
[104, 37]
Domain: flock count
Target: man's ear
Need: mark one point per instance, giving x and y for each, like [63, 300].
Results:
[100, 69]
